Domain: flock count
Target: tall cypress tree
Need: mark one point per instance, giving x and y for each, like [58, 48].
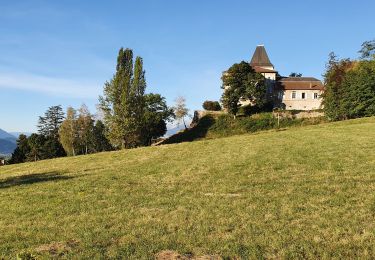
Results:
[122, 101]
[138, 99]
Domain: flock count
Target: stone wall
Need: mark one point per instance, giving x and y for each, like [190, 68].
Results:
[198, 114]
[298, 115]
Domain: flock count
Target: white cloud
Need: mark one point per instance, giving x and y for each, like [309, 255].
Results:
[51, 85]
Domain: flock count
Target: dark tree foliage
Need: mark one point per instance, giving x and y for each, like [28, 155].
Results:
[241, 82]
[333, 79]
[36, 143]
[295, 75]
[99, 143]
[350, 86]
[211, 105]
[22, 150]
[52, 148]
[368, 50]
[46, 144]
[49, 124]
[359, 91]
[36, 147]
[156, 115]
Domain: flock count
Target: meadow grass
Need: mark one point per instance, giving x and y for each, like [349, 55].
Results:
[306, 192]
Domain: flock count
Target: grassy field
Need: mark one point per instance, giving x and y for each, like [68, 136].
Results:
[306, 192]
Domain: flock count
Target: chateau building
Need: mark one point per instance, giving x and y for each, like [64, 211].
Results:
[291, 93]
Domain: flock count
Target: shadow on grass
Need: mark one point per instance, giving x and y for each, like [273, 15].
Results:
[197, 132]
[32, 178]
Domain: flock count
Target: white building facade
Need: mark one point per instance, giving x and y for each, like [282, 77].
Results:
[290, 93]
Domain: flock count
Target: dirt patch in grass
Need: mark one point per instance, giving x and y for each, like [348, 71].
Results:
[58, 248]
[173, 255]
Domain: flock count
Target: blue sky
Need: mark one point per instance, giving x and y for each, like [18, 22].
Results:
[62, 52]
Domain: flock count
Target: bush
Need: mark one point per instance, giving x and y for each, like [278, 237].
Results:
[249, 110]
[211, 105]
[256, 123]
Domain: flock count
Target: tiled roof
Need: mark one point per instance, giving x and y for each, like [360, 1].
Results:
[260, 70]
[298, 79]
[300, 83]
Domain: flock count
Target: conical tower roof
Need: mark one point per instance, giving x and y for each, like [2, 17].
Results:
[260, 57]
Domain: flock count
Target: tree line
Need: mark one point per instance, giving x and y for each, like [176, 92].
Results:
[350, 85]
[130, 118]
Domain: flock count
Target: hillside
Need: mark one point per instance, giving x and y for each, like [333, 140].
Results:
[7, 146]
[7, 142]
[215, 125]
[6, 135]
[305, 192]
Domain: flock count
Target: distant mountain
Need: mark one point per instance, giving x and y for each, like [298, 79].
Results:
[5, 135]
[7, 142]
[7, 147]
[174, 130]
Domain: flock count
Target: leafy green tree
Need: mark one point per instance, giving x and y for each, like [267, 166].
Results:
[368, 50]
[52, 148]
[122, 101]
[85, 126]
[20, 153]
[49, 124]
[99, 140]
[48, 127]
[36, 143]
[138, 87]
[359, 91]
[68, 132]
[240, 81]
[156, 115]
[350, 85]
[334, 77]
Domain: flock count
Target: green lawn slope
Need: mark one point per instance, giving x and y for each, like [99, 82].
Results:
[306, 192]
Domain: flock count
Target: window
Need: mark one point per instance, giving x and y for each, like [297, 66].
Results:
[303, 95]
[315, 95]
[293, 95]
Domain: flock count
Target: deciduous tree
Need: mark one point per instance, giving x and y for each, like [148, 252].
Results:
[85, 126]
[156, 115]
[180, 110]
[122, 101]
[240, 81]
[69, 132]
